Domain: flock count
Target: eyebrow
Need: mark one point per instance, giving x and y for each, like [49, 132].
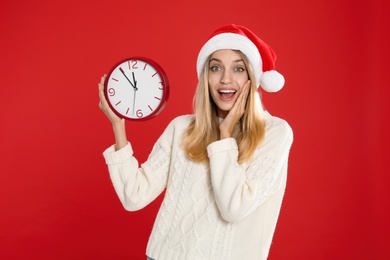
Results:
[218, 60]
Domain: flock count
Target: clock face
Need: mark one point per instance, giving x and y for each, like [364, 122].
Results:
[137, 89]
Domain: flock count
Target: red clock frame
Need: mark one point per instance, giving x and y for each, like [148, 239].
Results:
[164, 83]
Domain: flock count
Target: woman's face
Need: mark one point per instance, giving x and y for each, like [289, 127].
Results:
[227, 76]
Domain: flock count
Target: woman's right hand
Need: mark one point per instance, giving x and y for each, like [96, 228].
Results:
[103, 104]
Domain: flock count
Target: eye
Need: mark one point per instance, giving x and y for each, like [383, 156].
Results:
[215, 68]
[239, 69]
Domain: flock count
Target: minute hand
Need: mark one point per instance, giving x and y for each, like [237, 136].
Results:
[134, 86]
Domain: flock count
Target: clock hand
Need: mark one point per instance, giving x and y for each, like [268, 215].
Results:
[135, 92]
[135, 82]
[134, 86]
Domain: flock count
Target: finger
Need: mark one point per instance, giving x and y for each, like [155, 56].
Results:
[241, 101]
[103, 101]
[101, 83]
[246, 88]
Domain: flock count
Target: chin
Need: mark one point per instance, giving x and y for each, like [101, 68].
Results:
[225, 109]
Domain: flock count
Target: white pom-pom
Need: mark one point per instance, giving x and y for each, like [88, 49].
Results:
[272, 81]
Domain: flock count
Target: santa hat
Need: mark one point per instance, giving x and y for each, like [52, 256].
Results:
[261, 56]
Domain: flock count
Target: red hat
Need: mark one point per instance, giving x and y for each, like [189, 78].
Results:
[261, 57]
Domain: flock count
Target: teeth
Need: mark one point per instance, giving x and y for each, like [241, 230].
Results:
[227, 91]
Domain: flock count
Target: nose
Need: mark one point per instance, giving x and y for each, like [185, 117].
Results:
[226, 77]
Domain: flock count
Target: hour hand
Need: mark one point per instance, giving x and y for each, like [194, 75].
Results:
[135, 82]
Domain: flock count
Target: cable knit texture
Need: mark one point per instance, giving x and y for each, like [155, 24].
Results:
[217, 211]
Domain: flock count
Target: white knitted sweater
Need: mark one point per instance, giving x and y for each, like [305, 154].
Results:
[217, 211]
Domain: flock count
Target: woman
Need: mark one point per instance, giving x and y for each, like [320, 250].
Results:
[224, 168]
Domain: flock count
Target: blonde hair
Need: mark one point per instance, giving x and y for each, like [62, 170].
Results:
[204, 128]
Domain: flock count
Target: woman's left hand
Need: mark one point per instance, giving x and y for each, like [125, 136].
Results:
[235, 113]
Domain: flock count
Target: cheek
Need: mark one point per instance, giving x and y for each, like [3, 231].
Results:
[212, 92]
[242, 80]
[213, 80]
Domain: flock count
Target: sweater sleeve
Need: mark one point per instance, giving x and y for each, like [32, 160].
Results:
[240, 188]
[136, 186]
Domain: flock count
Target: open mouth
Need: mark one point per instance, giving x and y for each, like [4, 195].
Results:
[227, 94]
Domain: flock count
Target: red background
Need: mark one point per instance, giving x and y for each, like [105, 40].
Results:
[56, 198]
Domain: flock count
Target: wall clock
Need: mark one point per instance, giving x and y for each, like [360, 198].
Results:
[137, 88]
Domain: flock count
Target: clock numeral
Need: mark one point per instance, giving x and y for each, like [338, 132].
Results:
[160, 87]
[139, 113]
[111, 92]
[133, 64]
